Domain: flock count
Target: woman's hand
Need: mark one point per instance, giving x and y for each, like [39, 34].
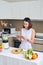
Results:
[18, 38]
[25, 38]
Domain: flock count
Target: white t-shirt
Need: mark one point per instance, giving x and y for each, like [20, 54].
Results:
[26, 44]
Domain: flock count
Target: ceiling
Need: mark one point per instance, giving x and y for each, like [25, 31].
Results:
[17, 0]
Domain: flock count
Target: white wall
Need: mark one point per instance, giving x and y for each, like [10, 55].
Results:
[5, 10]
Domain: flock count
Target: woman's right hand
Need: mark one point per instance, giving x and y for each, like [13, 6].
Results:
[18, 38]
[22, 37]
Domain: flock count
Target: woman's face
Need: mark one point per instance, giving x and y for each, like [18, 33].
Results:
[26, 24]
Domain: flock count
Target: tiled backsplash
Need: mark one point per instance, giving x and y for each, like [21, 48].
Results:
[37, 24]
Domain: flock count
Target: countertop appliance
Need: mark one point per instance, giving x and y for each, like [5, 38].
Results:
[8, 30]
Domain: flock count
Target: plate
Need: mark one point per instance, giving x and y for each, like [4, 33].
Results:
[17, 51]
[33, 57]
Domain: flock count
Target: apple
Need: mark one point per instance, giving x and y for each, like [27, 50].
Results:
[26, 55]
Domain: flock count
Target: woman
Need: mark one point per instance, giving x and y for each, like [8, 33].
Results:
[27, 35]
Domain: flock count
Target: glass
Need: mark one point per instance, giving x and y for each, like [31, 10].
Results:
[18, 35]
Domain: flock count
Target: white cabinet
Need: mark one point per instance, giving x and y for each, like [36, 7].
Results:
[19, 10]
[26, 9]
[31, 9]
[41, 9]
[5, 10]
[15, 11]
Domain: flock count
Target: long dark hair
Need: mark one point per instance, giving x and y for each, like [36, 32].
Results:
[29, 21]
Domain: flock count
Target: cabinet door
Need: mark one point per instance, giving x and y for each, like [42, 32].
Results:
[5, 10]
[41, 9]
[31, 9]
[26, 9]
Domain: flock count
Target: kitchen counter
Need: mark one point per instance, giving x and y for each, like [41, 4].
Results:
[38, 44]
[7, 58]
[14, 35]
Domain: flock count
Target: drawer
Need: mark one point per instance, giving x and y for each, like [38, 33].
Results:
[39, 41]
[37, 47]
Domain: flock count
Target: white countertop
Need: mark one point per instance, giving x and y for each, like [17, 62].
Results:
[7, 53]
[14, 35]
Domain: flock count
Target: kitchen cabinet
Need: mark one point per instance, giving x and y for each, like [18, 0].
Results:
[38, 44]
[19, 10]
[41, 9]
[26, 9]
[5, 11]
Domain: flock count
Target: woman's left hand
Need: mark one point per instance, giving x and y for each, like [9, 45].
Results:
[25, 38]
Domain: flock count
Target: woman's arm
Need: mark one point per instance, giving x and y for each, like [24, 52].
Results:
[33, 37]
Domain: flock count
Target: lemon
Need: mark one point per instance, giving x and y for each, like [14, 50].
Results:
[2, 46]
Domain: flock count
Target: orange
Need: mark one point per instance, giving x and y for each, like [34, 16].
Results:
[34, 56]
